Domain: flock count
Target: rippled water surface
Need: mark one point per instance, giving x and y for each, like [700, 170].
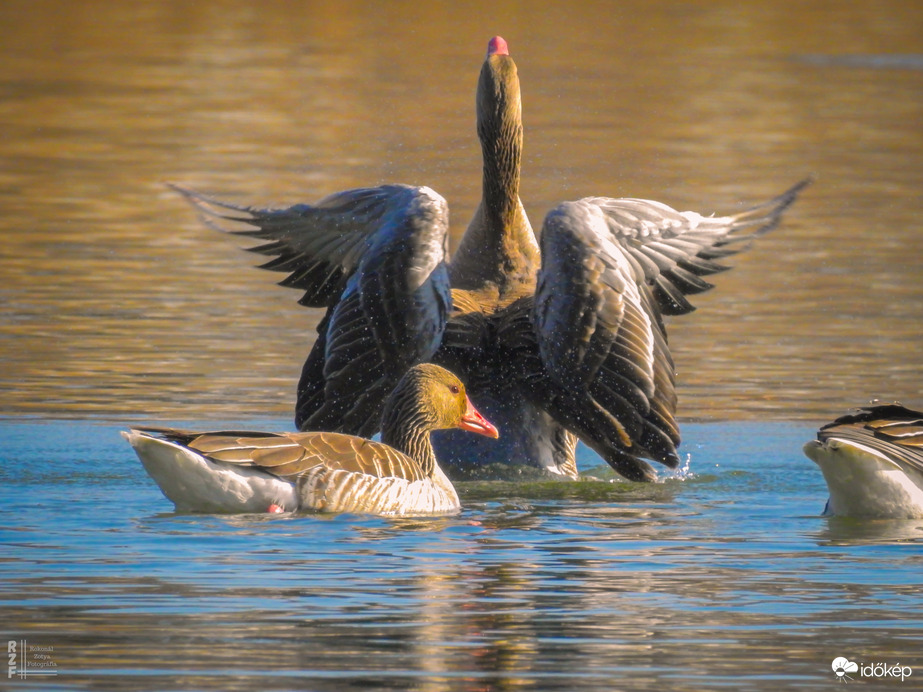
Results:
[118, 305]
[117, 298]
[727, 578]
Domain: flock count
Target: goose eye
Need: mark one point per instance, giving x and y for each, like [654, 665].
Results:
[453, 388]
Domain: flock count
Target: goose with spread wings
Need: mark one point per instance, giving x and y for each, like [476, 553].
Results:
[556, 341]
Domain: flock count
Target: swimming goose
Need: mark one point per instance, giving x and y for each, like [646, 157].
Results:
[555, 342]
[316, 471]
[872, 461]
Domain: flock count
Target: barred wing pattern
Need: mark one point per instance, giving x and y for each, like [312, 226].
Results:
[672, 249]
[289, 455]
[611, 268]
[602, 344]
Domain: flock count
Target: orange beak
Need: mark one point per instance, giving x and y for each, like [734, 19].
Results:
[473, 421]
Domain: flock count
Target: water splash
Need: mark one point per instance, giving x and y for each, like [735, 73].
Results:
[682, 473]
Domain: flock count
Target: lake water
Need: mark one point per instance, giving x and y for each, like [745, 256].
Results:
[727, 578]
[118, 306]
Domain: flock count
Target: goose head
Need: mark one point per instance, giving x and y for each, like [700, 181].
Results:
[428, 397]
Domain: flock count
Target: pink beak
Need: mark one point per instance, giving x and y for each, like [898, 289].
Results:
[473, 421]
[497, 46]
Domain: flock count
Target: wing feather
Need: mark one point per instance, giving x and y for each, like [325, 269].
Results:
[290, 455]
[611, 268]
[673, 248]
[375, 258]
[602, 342]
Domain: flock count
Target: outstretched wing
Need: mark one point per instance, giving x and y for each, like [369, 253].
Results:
[602, 344]
[673, 250]
[375, 257]
[611, 268]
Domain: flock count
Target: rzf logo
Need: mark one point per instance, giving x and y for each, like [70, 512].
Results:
[11, 666]
[27, 660]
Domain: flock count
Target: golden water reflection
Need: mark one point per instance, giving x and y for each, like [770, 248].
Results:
[116, 301]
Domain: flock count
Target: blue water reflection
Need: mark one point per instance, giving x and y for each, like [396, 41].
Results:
[727, 574]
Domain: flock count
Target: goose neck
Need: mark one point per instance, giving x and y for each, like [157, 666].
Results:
[500, 132]
[408, 431]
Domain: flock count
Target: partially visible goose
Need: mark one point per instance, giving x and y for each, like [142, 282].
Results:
[324, 472]
[555, 342]
[872, 461]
